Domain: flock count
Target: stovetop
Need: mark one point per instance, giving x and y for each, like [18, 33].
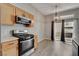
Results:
[24, 36]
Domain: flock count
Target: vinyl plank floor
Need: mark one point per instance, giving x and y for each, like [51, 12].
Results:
[56, 48]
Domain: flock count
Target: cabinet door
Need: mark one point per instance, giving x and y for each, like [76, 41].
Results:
[7, 14]
[19, 12]
[31, 16]
[11, 51]
[10, 48]
[26, 14]
[35, 40]
[0, 50]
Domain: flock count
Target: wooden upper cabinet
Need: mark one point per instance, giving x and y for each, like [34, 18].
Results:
[19, 12]
[7, 13]
[27, 15]
[31, 16]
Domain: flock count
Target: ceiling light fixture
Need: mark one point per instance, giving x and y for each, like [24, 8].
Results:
[59, 18]
[56, 13]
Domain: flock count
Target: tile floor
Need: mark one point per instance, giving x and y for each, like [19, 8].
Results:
[56, 48]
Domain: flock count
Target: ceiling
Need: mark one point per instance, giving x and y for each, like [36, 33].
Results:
[49, 8]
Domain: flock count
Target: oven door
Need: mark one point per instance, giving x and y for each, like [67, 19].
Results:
[75, 48]
[26, 45]
[68, 35]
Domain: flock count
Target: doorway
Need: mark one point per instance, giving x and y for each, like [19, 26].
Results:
[57, 30]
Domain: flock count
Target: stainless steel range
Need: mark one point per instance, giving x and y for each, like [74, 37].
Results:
[26, 41]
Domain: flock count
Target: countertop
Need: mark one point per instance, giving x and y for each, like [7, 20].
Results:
[9, 39]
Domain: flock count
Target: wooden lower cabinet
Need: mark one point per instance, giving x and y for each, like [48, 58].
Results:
[10, 52]
[0, 50]
[10, 48]
[36, 41]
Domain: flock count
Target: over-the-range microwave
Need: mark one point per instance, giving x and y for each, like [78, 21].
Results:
[23, 20]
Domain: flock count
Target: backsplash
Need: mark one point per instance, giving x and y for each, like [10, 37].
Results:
[6, 30]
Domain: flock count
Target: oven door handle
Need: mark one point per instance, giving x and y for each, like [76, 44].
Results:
[26, 40]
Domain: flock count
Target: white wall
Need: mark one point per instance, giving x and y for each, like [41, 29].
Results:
[48, 20]
[38, 25]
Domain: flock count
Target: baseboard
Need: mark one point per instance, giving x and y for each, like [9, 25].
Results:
[47, 38]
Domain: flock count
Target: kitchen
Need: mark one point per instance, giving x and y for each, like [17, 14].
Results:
[38, 27]
[7, 27]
